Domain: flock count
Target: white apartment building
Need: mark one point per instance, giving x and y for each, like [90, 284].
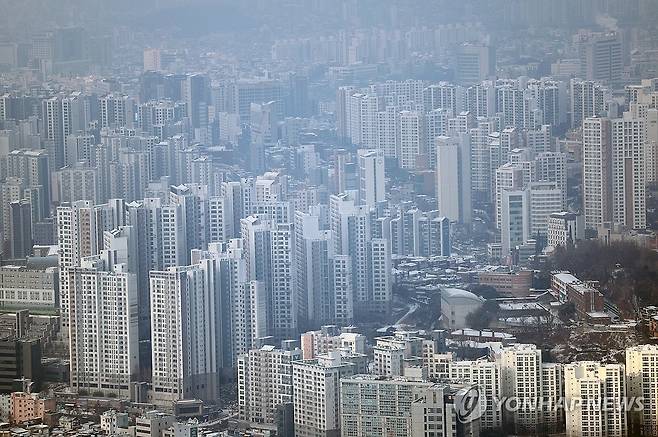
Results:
[388, 360]
[628, 172]
[79, 182]
[552, 388]
[597, 174]
[588, 99]
[525, 378]
[244, 308]
[540, 140]
[436, 125]
[412, 344]
[551, 98]
[285, 305]
[186, 334]
[373, 406]
[642, 383]
[481, 99]
[116, 111]
[316, 393]
[413, 142]
[77, 148]
[369, 107]
[103, 340]
[53, 131]
[265, 380]
[481, 177]
[552, 167]
[80, 228]
[486, 374]
[331, 338]
[312, 269]
[508, 177]
[389, 131]
[545, 199]
[444, 95]
[565, 227]
[217, 217]
[389, 415]
[614, 174]
[372, 177]
[269, 253]
[651, 151]
[437, 365]
[511, 103]
[370, 257]
[588, 386]
[380, 282]
[453, 177]
[437, 412]
[341, 283]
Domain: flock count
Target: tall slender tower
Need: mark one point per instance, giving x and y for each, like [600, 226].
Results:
[597, 171]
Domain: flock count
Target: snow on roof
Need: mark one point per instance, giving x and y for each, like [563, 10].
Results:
[459, 293]
[566, 278]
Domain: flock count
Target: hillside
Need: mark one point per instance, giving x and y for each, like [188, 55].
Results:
[628, 274]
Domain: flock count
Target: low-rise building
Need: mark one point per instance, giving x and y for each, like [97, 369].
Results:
[456, 305]
[153, 424]
[23, 288]
[508, 283]
[27, 407]
[331, 338]
[560, 282]
[112, 420]
[584, 295]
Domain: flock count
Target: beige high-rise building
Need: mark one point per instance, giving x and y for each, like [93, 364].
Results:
[615, 171]
[331, 338]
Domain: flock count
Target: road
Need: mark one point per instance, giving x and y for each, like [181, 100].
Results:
[412, 309]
